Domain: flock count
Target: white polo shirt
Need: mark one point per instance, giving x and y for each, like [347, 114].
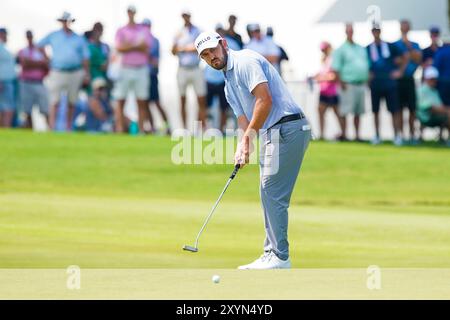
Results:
[245, 70]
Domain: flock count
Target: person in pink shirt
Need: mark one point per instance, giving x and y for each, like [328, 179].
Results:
[133, 42]
[35, 66]
[328, 87]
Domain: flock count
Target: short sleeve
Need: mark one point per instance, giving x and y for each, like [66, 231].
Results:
[237, 109]
[426, 99]
[336, 63]
[273, 49]
[252, 74]
[45, 41]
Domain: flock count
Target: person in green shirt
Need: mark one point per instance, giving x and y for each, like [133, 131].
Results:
[351, 64]
[98, 54]
[431, 110]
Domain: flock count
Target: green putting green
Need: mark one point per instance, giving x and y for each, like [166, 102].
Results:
[102, 201]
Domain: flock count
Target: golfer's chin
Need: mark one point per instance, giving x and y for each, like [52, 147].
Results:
[217, 65]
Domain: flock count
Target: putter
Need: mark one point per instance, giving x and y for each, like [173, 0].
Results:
[195, 248]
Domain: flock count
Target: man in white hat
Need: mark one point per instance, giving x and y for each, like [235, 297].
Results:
[69, 66]
[189, 72]
[263, 104]
[431, 110]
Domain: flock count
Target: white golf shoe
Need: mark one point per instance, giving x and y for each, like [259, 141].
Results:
[267, 261]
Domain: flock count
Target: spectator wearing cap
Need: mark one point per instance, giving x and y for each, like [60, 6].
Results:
[189, 71]
[429, 52]
[385, 60]
[231, 32]
[7, 77]
[133, 41]
[34, 68]
[442, 63]
[351, 64]
[327, 80]
[153, 66]
[99, 116]
[69, 67]
[263, 45]
[406, 83]
[283, 53]
[99, 53]
[431, 110]
[215, 81]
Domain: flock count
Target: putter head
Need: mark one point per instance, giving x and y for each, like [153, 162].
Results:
[189, 248]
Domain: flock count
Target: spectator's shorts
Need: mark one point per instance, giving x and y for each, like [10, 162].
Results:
[389, 94]
[217, 90]
[7, 99]
[134, 79]
[31, 94]
[329, 101]
[194, 76]
[64, 81]
[352, 100]
[154, 88]
[407, 94]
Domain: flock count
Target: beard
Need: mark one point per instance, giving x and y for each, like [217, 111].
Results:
[222, 63]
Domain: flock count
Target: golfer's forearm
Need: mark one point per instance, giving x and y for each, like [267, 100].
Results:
[243, 123]
[260, 114]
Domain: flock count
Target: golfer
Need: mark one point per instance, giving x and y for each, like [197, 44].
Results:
[262, 104]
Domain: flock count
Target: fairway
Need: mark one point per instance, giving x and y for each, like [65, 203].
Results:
[118, 202]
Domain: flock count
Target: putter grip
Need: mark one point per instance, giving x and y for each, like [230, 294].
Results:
[235, 171]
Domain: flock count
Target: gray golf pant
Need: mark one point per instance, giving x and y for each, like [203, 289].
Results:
[281, 154]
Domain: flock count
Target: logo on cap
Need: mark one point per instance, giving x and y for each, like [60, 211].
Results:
[202, 41]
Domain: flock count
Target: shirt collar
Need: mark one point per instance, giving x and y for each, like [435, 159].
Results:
[230, 62]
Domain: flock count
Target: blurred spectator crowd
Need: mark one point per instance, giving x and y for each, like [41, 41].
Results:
[389, 70]
[84, 63]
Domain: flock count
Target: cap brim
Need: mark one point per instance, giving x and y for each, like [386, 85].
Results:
[66, 20]
[212, 44]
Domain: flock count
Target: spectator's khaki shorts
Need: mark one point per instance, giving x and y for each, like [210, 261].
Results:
[194, 76]
[136, 79]
[64, 81]
[352, 100]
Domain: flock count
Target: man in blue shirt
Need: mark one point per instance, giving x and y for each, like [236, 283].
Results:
[406, 84]
[429, 52]
[384, 61]
[153, 67]
[69, 66]
[262, 104]
[442, 63]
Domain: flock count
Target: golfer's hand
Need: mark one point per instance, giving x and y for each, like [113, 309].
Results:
[242, 156]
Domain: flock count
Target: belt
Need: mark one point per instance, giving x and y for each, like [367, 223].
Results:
[289, 118]
[31, 81]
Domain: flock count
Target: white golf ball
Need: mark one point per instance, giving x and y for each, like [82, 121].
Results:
[216, 279]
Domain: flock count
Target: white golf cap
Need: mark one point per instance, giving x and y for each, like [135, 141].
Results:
[207, 40]
[132, 8]
[186, 12]
[66, 16]
[431, 73]
[98, 83]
